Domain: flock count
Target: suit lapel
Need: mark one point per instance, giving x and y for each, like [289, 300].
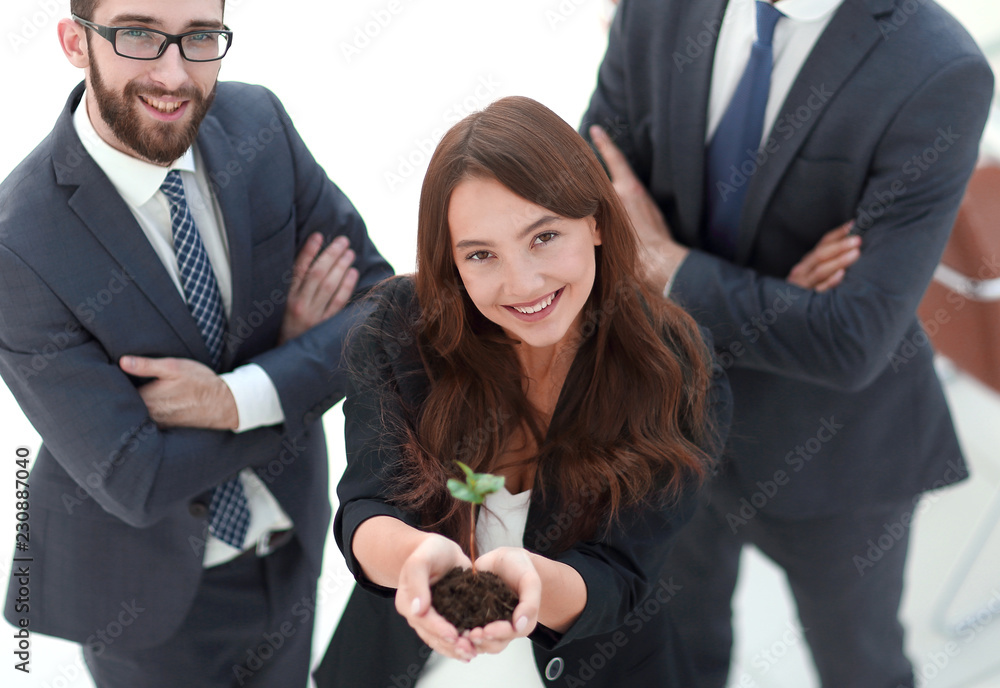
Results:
[100, 207]
[234, 200]
[848, 39]
[689, 93]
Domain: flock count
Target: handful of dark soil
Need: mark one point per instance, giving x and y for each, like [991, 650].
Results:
[472, 600]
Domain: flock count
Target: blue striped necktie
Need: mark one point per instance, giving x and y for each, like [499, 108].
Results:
[732, 153]
[229, 516]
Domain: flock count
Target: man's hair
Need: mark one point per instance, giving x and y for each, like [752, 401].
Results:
[85, 8]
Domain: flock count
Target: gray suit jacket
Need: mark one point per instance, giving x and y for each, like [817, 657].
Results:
[836, 403]
[118, 506]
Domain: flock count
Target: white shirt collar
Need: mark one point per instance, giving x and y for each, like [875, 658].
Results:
[807, 10]
[136, 180]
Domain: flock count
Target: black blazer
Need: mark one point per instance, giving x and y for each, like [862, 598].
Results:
[621, 638]
[837, 404]
[118, 506]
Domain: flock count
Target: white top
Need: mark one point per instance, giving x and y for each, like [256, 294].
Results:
[138, 182]
[794, 37]
[500, 524]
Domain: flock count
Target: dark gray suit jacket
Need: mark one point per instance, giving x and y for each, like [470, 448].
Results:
[836, 401]
[118, 506]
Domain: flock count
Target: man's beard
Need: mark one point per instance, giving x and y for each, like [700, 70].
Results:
[158, 142]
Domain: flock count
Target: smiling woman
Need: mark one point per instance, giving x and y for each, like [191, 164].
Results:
[528, 346]
[526, 270]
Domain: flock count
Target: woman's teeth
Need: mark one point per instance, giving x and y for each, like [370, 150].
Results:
[541, 305]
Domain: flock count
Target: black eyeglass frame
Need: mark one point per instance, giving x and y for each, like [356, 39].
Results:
[110, 33]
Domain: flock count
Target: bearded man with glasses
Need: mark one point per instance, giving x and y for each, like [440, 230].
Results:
[171, 324]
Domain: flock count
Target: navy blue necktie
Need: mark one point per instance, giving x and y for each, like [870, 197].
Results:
[732, 153]
[229, 516]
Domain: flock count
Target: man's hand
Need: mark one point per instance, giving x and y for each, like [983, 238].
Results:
[661, 255]
[322, 284]
[185, 394]
[824, 267]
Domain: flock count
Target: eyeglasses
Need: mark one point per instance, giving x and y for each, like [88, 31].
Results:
[138, 43]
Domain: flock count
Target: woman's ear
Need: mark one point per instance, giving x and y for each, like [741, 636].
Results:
[595, 230]
[73, 41]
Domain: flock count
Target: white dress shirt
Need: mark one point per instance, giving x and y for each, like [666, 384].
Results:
[794, 37]
[138, 182]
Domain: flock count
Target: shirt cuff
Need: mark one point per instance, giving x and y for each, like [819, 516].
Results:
[257, 401]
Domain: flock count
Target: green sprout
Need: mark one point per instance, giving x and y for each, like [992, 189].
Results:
[474, 490]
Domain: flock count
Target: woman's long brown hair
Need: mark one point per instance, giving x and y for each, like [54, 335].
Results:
[631, 424]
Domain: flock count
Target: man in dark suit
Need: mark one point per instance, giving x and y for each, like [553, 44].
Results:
[871, 112]
[162, 261]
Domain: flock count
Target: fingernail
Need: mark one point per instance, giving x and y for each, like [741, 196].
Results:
[341, 241]
[522, 624]
[415, 605]
[127, 362]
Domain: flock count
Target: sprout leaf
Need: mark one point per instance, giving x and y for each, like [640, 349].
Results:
[476, 485]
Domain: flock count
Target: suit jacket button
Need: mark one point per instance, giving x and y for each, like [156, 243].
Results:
[554, 668]
[198, 510]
